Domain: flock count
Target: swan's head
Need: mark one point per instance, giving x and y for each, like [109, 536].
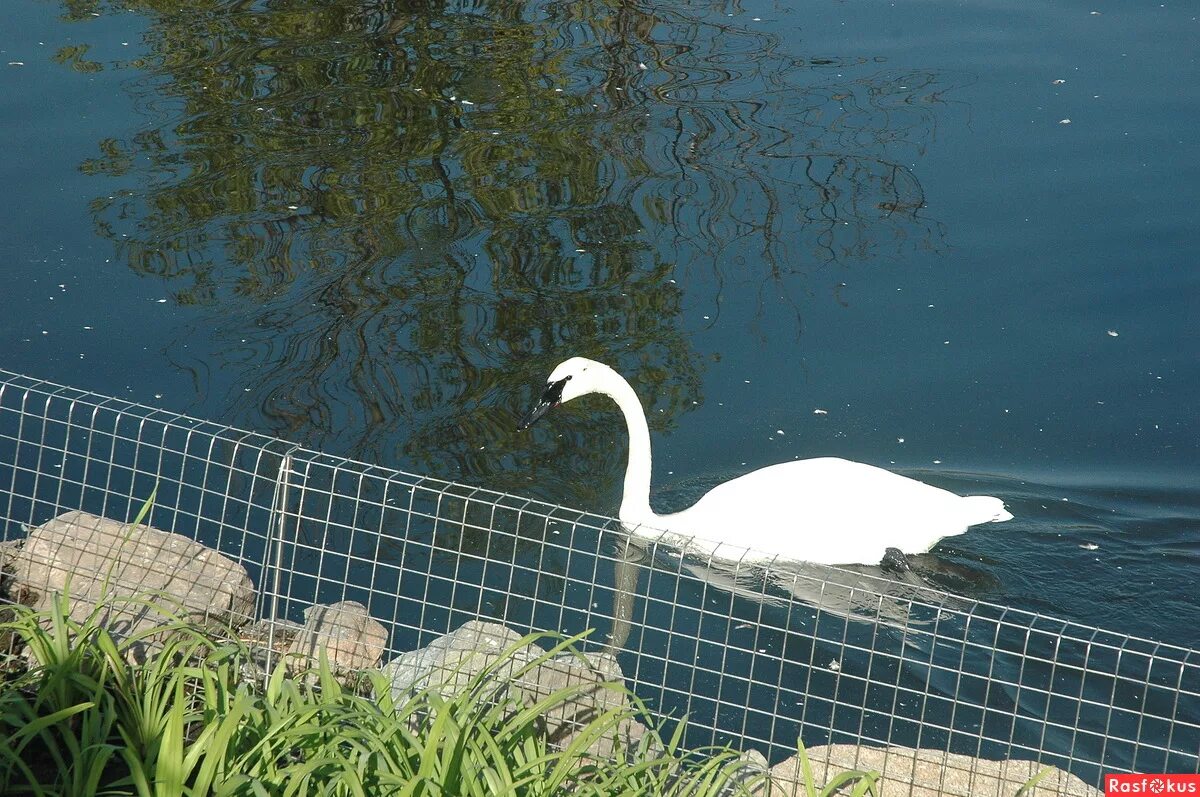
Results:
[572, 378]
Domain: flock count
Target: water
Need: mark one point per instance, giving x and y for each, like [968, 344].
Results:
[965, 231]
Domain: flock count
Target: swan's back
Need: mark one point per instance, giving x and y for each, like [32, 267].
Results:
[830, 510]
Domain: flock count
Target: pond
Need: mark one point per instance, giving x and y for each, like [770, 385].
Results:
[958, 240]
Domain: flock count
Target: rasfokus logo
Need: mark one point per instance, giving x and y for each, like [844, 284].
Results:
[1151, 784]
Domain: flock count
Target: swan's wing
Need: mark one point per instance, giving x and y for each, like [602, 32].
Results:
[827, 510]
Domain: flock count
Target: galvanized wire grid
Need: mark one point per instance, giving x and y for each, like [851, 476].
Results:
[754, 653]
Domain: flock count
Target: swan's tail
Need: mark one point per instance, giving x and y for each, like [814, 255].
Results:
[985, 509]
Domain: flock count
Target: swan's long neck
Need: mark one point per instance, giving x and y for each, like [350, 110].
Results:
[635, 505]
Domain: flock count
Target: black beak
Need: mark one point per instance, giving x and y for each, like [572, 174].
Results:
[549, 400]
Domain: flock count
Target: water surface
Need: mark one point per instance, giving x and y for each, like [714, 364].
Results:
[966, 232]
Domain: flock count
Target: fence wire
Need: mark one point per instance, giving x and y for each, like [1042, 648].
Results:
[754, 654]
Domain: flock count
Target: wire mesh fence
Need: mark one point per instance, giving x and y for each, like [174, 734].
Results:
[755, 654]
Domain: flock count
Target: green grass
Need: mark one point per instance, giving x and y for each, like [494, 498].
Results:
[86, 721]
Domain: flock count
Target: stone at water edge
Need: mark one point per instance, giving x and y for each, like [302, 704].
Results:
[908, 772]
[118, 565]
[350, 637]
[450, 662]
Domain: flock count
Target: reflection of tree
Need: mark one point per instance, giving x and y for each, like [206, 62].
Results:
[401, 216]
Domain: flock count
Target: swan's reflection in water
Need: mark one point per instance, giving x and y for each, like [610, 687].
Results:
[866, 593]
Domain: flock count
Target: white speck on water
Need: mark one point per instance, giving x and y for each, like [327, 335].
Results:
[899, 439]
[747, 381]
[580, 251]
[1058, 82]
[706, 318]
[158, 395]
[642, 66]
[293, 207]
[778, 431]
[1112, 333]
[16, 63]
[161, 301]
[87, 327]
[1064, 121]
[559, 91]
[1089, 546]
[467, 102]
[937, 462]
[835, 665]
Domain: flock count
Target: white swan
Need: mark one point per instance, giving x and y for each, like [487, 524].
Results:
[826, 510]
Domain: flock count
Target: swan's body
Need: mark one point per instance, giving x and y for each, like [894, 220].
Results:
[826, 510]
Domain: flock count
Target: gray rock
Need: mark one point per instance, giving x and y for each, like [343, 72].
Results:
[925, 773]
[589, 690]
[350, 637]
[139, 577]
[449, 663]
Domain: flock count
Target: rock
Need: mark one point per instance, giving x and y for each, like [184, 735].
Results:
[746, 775]
[449, 663]
[925, 773]
[140, 576]
[589, 684]
[350, 637]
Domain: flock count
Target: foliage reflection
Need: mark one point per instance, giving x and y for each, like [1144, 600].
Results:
[397, 217]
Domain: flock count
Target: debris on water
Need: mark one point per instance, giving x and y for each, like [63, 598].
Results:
[835, 665]
[16, 63]
[1064, 121]
[819, 411]
[778, 431]
[161, 301]
[899, 439]
[1058, 82]
[1088, 546]
[1112, 333]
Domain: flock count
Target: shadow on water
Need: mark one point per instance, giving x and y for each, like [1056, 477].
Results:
[390, 220]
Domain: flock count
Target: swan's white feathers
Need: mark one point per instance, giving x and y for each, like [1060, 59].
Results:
[826, 510]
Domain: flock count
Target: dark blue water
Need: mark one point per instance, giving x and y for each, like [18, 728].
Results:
[966, 232]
